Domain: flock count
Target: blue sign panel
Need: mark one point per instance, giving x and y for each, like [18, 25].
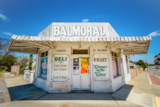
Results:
[43, 72]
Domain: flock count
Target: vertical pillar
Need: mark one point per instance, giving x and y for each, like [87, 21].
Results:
[37, 65]
[49, 70]
[111, 70]
[124, 67]
[91, 70]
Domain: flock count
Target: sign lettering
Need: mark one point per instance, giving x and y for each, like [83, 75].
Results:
[60, 59]
[78, 31]
[100, 69]
[60, 67]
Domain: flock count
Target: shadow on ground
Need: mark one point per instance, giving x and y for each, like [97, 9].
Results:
[31, 92]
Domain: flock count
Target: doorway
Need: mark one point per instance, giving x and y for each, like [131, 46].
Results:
[80, 72]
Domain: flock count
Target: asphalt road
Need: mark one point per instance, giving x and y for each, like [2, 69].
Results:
[153, 70]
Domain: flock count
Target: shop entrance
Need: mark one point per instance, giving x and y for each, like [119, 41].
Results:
[80, 73]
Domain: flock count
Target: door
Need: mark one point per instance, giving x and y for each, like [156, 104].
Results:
[80, 73]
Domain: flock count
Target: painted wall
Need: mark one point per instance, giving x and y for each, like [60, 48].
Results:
[104, 85]
[108, 85]
[124, 76]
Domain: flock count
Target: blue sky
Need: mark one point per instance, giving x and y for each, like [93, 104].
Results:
[128, 18]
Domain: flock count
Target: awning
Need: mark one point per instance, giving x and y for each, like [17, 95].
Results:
[31, 44]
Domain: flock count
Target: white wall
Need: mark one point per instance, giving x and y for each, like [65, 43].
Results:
[40, 82]
[107, 86]
[103, 86]
[120, 81]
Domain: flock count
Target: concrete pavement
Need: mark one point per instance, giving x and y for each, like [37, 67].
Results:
[136, 93]
[78, 103]
[12, 81]
[4, 94]
[142, 92]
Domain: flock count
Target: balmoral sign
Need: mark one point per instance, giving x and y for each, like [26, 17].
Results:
[78, 31]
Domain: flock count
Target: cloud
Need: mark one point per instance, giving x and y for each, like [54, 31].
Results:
[4, 18]
[155, 33]
[8, 33]
[85, 20]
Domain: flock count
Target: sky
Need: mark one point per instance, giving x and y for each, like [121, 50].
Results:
[127, 17]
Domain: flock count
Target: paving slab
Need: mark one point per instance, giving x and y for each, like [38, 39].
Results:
[141, 93]
[15, 81]
[27, 92]
[144, 99]
[4, 94]
[56, 97]
[156, 92]
[137, 93]
[128, 104]
[18, 88]
[61, 103]
[35, 97]
[77, 96]
[91, 96]
[122, 93]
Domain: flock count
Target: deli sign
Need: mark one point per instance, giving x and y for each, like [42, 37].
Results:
[60, 68]
[60, 58]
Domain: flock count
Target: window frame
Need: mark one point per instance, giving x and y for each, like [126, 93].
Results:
[115, 56]
[80, 50]
[127, 64]
[45, 56]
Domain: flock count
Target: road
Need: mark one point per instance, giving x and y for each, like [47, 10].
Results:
[153, 70]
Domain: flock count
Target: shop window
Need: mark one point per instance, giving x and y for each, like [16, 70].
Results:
[84, 65]
[84, 51]
[115, 65]
[43, 64]
[75, 66]
[44, 54]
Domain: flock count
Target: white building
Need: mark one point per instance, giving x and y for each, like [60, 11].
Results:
[80, 56]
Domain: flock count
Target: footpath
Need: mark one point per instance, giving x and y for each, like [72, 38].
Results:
[4, 94]
[9, 80]
[139, 92]
[143, 91]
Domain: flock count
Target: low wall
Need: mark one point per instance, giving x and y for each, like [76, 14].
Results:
[15, 69]
[135, 72]
[29, 75]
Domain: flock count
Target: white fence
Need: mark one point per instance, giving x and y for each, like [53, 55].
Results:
[29, 75]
